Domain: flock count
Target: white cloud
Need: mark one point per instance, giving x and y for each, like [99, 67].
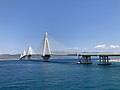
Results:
[114, 46]
[103, 46]
[73, 48]
[76, 48]
[100, 46]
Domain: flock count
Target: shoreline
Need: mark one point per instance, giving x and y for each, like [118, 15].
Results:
[115, 60]
[9, 59]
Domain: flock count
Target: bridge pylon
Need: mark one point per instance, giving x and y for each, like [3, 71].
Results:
[46, 52]
[85, 59]
[22, 56]
[29, 52]
[103, 60]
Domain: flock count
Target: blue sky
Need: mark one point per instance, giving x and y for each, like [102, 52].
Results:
[76, 23]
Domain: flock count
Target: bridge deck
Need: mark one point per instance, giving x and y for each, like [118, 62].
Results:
[79, 55]
[85, 54]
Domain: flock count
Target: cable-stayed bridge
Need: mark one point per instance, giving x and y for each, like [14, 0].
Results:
[84, 58]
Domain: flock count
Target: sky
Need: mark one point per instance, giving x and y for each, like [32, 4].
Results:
[75, 23]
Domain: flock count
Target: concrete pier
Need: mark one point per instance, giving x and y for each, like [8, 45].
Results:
[22, 58]
[46, 57]
[29, 57]
[104, 60]
[85, 59]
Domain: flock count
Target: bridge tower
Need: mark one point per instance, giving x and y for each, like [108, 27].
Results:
[46, 52]
[29, 52]
[22, 56]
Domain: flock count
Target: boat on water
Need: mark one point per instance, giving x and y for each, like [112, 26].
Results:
[78, 62]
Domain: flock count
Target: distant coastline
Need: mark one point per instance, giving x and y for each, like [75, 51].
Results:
[115, 60]
[9, 57]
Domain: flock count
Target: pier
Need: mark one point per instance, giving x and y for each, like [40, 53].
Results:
[103, 58]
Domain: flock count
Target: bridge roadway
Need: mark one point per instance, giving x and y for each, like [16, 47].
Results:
[79, 55]
[85, 54]
[85, 58]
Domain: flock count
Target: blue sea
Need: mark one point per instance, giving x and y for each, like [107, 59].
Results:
[62, 74]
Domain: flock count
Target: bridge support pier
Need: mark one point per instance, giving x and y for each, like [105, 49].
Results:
[104, 60]
[46, 57]
[29, 57]
[85, 60]
[23, 58]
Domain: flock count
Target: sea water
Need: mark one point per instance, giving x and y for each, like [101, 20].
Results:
[62, 74]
